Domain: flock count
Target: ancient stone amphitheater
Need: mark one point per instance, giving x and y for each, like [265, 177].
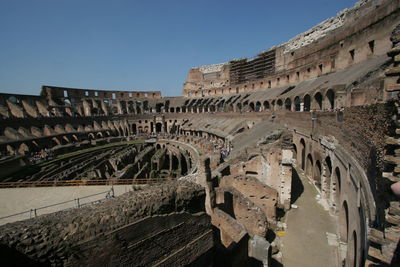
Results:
[290, 158]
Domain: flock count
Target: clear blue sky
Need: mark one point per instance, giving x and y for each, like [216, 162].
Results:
[139, 45]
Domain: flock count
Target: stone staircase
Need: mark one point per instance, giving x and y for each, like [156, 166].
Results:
[384, 245]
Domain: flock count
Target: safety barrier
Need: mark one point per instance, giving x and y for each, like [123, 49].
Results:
[49, 183]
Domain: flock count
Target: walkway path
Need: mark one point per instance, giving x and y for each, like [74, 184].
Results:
[305, 242]
[15, 200]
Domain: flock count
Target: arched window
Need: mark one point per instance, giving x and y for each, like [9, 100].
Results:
[266, 105]
[330, 95]
[307, 103]
[303, 153]
[258, 106]
[318, 100]
[297, 103]
[288, 104]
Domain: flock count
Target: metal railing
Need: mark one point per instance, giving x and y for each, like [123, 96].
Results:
[77, 203]
[49, 183]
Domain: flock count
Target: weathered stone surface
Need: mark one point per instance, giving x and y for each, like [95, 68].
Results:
[49, 239]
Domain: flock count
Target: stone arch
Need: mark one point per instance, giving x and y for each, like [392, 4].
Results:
[55, 141]
[75, 138]
[258, 106]
[159, 107]
[279, 103]
[171, 110]
[307, 102]
[65, 139]
[266, 105]
[184, 167]
[303, 153]
[251, 106]
[330, 96]
[91, 136]
[23, 149]
[158, 127]
[288, 104]
[239, 107]
[352, 255]
[178, 109]
[309, 166]
[317, 174]
[318, 100]
[343, 222]
[327, 173]
[297, 103]
[336, 187]
[34, 146]
[295, 151]
[134, 128]
[138, 109]
[11, 150]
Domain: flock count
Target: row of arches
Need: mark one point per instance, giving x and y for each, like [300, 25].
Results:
[318, 101]
[306, 103]
[333, 176]
[154, 126]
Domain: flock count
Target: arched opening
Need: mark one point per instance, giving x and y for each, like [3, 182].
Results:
[317, 174]
[134, 129]
[178, 110]
[352, 250]
[318, 100]
[297, 103]
[307, 103]
[55, 141]
[251, 105]
[303, 153]
[239, 107]
[294, 151]
[74, 138]
[330, 95]
[23, 149]
[184, 166]
[158, 127]
[159, 107]
[258, 106]
[175, 163]
[172, 110]
[279, 103]
[327, 177]
[288, 104]
[266, 105]
[344, 222]
[336, 188]
[309, 166]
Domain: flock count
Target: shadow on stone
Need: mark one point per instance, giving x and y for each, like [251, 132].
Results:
[11, 257]
[297, 186]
